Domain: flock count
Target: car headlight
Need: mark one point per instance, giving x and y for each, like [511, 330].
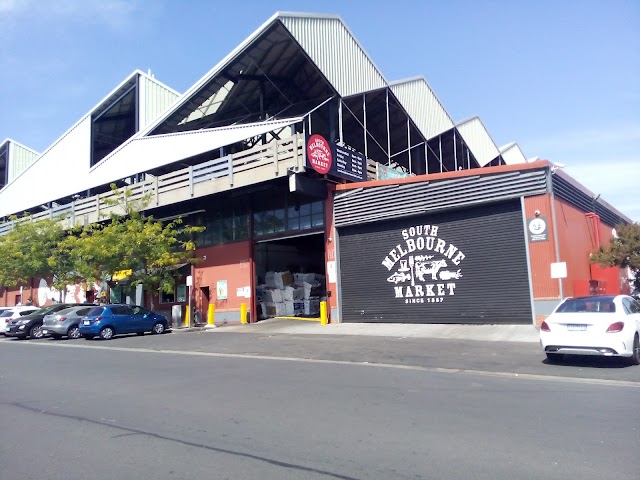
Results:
[21, 327]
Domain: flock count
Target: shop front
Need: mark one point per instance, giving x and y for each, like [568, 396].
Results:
[463, 266]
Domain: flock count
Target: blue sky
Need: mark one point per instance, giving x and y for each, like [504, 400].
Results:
[561, 78]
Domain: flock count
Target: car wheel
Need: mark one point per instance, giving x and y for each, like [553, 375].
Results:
[158, 328]
[635, 358]
[36, 331]
[555, 357]
[87, 337]
[73, 332]
[106, 333]
[56, 336]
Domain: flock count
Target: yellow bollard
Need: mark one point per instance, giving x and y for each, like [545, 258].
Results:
[211, 319]
[243, 313]
[186, 317]
[323, 313]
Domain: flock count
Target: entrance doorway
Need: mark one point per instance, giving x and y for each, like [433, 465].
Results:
[290, 276]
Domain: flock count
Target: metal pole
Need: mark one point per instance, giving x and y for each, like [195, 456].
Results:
[340, 122]
[388, 129]
[364, 111]
[455, 151]
[409, 143]
[555, 239]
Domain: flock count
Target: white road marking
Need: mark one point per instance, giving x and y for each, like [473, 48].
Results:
[523, 376]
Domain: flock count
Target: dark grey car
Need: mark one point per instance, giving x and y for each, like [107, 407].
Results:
[65, 322]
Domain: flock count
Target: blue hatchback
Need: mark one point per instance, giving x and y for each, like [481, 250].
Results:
[109, 320]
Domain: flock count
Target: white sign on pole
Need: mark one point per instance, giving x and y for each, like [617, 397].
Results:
[189, 281]
[559, 270]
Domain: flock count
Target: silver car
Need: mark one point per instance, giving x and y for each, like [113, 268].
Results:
[65, 322]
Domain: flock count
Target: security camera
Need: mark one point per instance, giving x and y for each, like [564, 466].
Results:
[537, 213]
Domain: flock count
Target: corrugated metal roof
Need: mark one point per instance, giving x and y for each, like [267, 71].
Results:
[478, 139]
[64, 141]
[512, 154]
[418, 99]
[138, 154]
[335, 50]
[328, 42]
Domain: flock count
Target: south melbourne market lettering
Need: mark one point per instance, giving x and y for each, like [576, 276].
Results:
[424, 266]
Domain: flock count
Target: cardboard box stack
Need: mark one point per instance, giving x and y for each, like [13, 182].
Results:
[284, 294]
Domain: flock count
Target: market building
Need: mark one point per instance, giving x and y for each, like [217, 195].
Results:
[319, 180]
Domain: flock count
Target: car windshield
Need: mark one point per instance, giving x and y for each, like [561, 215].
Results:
[42, 311]
[590, 305]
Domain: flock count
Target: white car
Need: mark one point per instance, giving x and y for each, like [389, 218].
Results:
[598, 325]
[9, 313]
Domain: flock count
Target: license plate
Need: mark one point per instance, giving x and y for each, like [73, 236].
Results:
[576, 327]
[86, 322]
[7, 329]
[44, 332]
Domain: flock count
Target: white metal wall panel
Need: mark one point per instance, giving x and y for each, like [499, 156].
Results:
[512, 154]
[58, 172]
[64, 170]
[142, 154]
[155, 98]
[336, 52]
[20, 157]
[479, 141]
[423, 106]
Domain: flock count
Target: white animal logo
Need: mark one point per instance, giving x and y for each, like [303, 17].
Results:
[432, 267]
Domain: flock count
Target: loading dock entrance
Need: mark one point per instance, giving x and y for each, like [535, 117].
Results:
[290, 276]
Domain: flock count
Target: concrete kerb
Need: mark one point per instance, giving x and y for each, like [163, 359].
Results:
[487, 333]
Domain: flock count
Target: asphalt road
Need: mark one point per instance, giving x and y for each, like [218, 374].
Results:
[258, 406]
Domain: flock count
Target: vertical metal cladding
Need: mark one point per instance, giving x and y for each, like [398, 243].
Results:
[421, 103]
[335, 51]
[19, 159]
[479, 141]
[461, 266]
[156, 98]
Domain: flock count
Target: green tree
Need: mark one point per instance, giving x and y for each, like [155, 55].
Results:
[150, 249]
[126, 240]
[31, 249]
[623, 251]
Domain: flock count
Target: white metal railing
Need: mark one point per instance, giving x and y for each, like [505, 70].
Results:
[271, 157]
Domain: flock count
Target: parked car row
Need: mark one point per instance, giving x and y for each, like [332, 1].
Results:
[86, 320]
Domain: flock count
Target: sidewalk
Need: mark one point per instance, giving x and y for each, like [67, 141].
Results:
[487, 333]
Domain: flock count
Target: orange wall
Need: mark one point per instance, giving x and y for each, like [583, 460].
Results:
[232, 262]
[542, 254]
[330, 255]
[577, 240]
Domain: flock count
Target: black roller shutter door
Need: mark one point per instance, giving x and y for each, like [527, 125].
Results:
[462, 266]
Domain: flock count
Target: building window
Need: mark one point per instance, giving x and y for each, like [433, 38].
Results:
[179, 294]
[289, 218]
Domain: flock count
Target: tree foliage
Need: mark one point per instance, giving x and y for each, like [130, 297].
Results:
[29, 249]
[623, 251]
[126, 240]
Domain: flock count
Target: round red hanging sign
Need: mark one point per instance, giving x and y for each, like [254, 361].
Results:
[319, 153]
